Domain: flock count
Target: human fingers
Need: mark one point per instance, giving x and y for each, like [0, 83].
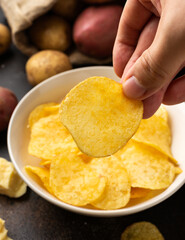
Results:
[152, 103]
[175, 92]
[132, 21]
[145, 40]
[159, 64]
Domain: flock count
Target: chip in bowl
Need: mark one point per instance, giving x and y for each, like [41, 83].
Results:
[147, 167]
[74, 182]
[117, 191]
[41, 111]
[42, 174]
[48, 137]
[137, 192]
[155, 131]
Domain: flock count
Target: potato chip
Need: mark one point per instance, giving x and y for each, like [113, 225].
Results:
[74, 182]
[147, 167]
[42, 174]
[3, 231]
[49, 137]
[117, 190]
[45, 163]
[142, 231]
[10, 182]
[107, 183]
[155, 131]
[99, 117]
[139, 192]
[41, 111]
[162, 113]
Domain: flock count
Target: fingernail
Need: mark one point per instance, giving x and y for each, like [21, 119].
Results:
[132, 88]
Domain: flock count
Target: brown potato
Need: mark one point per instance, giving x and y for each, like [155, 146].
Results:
[45, 64]
[8, 102]
[67, 9]
[95, 30]
[50, 32]
[5, 38]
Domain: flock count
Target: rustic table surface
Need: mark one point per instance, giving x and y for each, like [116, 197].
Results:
[33, 218]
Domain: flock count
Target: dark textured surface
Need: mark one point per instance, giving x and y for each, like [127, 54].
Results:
[33, 218]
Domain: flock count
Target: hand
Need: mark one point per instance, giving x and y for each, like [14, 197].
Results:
[149, 51]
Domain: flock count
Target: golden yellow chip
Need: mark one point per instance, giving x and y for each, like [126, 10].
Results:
[99, 117]
[10, 182]
[42, 174]
[41, 111]
[74, 182]
[45, 163]
[142, 231]
[49, 137]
[3, 231]
[155, 131]
[147, 167]
[139, 192]
[107, 183]
[117, 190]
[162, 113]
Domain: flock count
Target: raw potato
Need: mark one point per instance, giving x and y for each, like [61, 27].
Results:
[8, 102]
[95, 30]
[99, 117]
[50, 32]
[45, 64]
[5, 38]
[67, 9]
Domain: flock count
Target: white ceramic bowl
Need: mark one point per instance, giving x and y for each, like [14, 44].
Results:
[54, 89]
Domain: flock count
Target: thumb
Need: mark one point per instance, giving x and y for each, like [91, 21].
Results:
[156, 67]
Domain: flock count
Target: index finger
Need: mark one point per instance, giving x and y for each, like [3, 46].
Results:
[133, 20]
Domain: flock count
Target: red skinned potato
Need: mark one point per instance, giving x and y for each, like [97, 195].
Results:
[95, 30]
[8, 102]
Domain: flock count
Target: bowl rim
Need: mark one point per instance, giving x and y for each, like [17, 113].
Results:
[82, 210]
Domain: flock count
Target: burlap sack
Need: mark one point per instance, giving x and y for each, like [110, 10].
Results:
[20, 15]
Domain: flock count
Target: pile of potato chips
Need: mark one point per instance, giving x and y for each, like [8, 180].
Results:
[144, 164]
